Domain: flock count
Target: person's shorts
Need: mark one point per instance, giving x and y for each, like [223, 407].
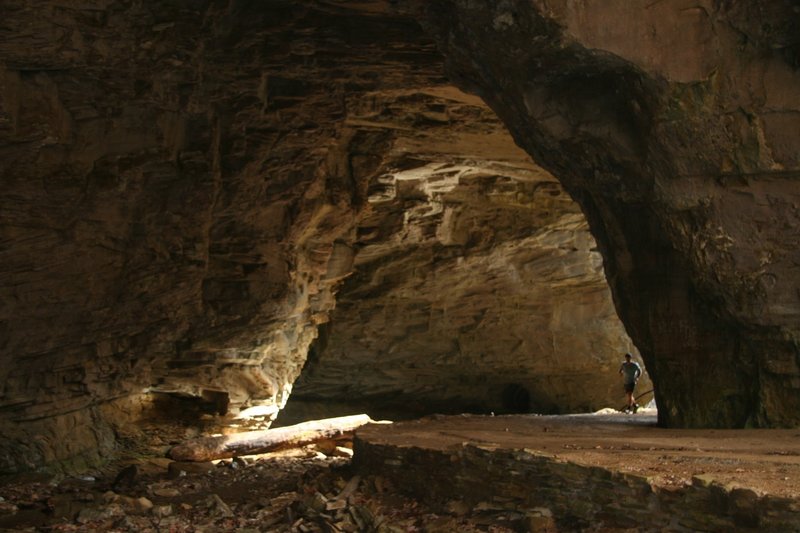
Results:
[629, 387]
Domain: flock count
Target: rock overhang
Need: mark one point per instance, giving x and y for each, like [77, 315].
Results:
[203, 214]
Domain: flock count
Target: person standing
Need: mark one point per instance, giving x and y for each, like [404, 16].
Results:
[631, 372]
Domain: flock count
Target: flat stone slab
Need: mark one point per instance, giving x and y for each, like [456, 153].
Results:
[616, 469]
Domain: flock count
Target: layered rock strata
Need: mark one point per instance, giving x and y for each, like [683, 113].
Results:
[182, 183]
[675, 127]
[181, 188]
[174, 177]
[476, 284]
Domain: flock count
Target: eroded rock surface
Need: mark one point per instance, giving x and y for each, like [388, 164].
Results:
[675, 126]
[477, 286]
[174, 177]
[183, 187]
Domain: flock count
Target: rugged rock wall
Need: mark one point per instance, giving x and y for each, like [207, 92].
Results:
[181, 185]
[675, 126]
[477, 286]
[174, 175]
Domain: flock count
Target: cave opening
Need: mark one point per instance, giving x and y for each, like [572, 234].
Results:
[476, 285]
[209, 209]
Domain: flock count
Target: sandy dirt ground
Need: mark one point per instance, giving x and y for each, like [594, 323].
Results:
[765, 460]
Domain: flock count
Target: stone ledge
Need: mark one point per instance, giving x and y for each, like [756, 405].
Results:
[501, 476]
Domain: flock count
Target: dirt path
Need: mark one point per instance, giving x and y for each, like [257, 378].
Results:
[765, 460]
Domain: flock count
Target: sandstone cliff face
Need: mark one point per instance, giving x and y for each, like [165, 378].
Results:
[675, 126]
[183, 186]
[174, 177]
[477, 286]
[186, 185]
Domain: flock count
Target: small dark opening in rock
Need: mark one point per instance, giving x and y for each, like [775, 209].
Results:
[516, 399]
[187, 406]
[216, 400]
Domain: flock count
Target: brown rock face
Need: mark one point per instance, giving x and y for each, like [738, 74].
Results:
[174, 176]
[185, 184]
[675, 126]
[477, 286]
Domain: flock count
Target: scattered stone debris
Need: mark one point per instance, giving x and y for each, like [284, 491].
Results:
[315, 488]
[292, 492]
[302, 490]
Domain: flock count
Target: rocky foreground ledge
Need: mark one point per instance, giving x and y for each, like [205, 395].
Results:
[602, 472]
[605, 472]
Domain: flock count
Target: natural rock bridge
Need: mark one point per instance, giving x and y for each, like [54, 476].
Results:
[397, 207]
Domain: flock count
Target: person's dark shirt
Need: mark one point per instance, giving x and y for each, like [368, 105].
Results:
[631, 370]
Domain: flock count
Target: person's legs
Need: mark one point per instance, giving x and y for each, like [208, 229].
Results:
[629, 394]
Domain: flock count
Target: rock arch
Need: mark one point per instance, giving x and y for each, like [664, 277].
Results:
[181, 187]
[675, 128]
